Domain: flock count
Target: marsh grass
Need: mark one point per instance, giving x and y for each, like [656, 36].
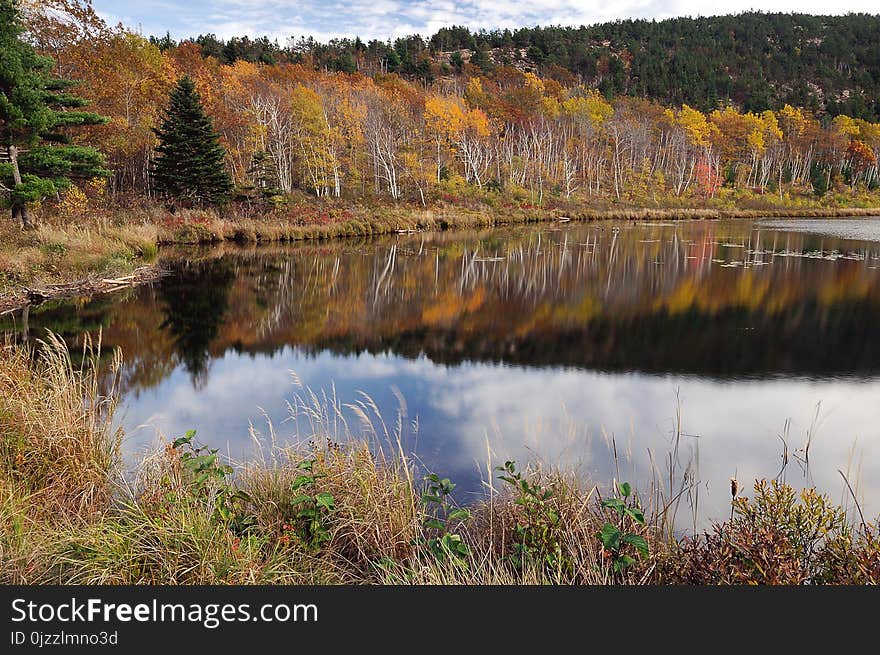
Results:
[63, 252]
[193, 227]
[69, 514]
[58, 454]
[57, 443]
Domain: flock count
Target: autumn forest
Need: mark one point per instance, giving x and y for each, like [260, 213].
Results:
[503, 133]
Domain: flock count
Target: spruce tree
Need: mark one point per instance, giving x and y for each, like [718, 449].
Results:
[190, 164]
[264, 174]
[37, 158]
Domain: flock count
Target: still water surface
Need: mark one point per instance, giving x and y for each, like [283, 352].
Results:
[737, 342]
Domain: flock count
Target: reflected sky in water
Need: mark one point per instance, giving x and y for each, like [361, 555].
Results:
[533, 344]
[557, 416]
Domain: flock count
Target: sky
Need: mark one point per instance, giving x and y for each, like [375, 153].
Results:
[383, 19]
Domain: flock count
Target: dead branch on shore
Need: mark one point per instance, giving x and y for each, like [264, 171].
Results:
[84, 287]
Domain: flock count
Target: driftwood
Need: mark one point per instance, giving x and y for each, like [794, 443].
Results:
[86, 287]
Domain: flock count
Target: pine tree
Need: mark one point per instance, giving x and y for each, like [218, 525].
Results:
[819, 177]
[36, 110]
[264, 174]
[190, 165]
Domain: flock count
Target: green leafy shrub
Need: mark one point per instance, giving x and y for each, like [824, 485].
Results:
[539, 528]
[440, 515]
[206, 477]
[618, 542]
[309, 510]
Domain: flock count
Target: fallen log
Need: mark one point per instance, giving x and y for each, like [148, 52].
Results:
[80, 288]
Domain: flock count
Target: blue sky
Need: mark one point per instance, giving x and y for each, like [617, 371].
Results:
[383, 19]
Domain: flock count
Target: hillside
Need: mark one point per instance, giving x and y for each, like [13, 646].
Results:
[829, 64]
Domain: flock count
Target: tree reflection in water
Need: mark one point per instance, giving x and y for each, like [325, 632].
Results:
[194, 301]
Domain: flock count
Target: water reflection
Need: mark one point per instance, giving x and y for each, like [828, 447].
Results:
[194, 301]
[527, 343]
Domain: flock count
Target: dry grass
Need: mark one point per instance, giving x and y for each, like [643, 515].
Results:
[193, 227]
[68, 515]
[60, 253]
[58, 454]
[377, 513]
[55, 434]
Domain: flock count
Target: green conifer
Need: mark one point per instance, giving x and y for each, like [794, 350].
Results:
[264, 174]
[191, 162]
[36, 111]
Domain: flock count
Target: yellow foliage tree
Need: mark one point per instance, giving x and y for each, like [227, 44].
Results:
[588, 103]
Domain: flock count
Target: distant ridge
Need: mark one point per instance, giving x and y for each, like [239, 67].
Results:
[756, 61]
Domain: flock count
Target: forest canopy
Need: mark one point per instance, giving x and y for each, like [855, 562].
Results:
[754, 60]
[633, 111]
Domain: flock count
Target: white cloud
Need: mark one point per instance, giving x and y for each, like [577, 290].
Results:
[557, 416]
[392, 18]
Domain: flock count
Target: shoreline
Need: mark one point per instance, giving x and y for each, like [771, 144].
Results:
[272, 230]
[78, 288]
[269, 230]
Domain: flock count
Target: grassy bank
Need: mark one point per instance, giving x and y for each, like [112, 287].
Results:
[62, 254]
[205, 227]
[356, 513]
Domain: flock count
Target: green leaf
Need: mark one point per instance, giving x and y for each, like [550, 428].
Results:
[636, 514]
[300, 481]
[203, 461]
[452, 543]
[434, 523]
[609, 535]
[638, 542]
[302, 498]
[431, 498]
[325, 499]
[458, 515]
[622, 562]
[616, 504]
[625, 489]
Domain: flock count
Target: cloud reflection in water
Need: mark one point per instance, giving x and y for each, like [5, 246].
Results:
[550, 415]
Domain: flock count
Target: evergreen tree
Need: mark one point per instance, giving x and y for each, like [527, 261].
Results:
[36, 156]
[820, 178]
[190, 165]
[457, 61]
[480, 59]
[264, 174]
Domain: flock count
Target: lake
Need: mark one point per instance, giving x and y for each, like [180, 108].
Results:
[714, 348]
